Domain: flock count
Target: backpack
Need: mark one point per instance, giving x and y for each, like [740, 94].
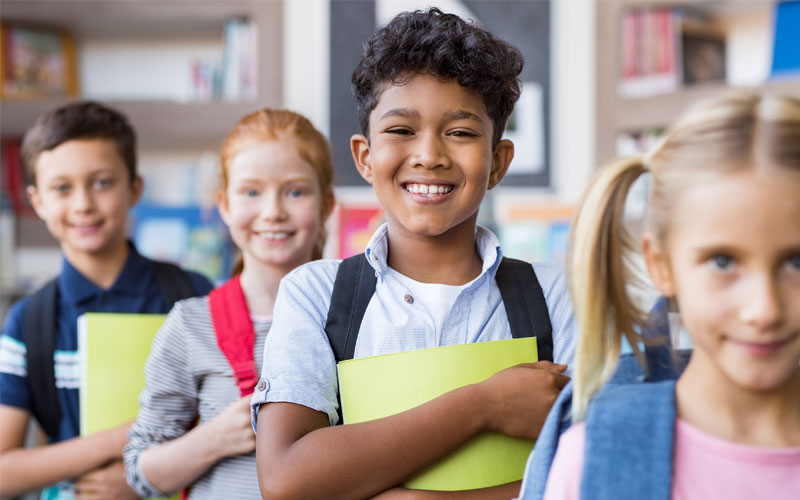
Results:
[39, 334]
[235, 334]
[663, 366]
[354, 286]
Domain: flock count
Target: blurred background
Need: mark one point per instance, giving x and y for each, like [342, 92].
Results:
[602, 78]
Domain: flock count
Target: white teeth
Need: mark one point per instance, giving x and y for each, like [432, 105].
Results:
[428, 189]
[274, 236]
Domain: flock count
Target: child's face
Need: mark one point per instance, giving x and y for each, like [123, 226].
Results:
[429, 156]
[733, 263]
[83, 193]
[272, 205]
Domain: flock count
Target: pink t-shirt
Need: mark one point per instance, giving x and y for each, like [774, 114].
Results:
[704, 467]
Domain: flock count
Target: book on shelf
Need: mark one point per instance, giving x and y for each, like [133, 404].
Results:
[785, 54]
[36, 62]
[663, 48]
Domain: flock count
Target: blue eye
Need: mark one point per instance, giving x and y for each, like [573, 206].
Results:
[794, 262]
[102, 183]
[251, 193]
[721, 262]
[61, 188]
[296, 193]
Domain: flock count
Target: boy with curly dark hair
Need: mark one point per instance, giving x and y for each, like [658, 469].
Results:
[434, 93]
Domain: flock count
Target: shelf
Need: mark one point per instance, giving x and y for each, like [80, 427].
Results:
[158, 125]
[138, 18]
[661, 110]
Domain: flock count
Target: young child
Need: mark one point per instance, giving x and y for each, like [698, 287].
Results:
[723, 242]
[275, 196]
[81, 162]
[433, 93]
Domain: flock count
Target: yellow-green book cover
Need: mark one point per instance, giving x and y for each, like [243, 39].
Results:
[113, 349]
[379, 386]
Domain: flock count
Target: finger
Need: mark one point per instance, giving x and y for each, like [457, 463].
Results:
[561, 380]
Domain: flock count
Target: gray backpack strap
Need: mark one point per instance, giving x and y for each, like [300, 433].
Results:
[39, 335]
[525, 306]
[630, 434]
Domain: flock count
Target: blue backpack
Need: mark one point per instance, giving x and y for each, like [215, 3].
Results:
[632, 408]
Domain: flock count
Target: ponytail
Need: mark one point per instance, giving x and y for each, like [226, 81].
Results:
[600, 270]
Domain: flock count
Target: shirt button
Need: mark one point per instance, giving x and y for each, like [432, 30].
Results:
[409, 299]
[262, 385]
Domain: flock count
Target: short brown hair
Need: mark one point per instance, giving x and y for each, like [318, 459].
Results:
[79, 120]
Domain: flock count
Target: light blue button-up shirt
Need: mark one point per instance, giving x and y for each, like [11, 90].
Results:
[299, 366]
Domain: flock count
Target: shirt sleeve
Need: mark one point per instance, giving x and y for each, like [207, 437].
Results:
[564, 481]
[168, 403]
[298, 365]
[562, 318]
[14, 389]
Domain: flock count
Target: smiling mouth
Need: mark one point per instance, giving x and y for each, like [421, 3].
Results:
[429, 190]
[274, 235]
[764, 349]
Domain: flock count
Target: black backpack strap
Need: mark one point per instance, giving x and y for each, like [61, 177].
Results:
[525, 305]
[352, 290]
[173, 282]
[39, 335]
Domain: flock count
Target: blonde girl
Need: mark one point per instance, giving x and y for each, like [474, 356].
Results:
[722, 241]
[275, 195]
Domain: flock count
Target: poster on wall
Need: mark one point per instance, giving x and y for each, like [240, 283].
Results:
[356, 224]
[535, 232]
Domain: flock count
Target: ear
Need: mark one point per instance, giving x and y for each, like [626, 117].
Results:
[137, 187]
[501, 159]
[359, 147]
[36, 201]
[658, 265]
[222, 207]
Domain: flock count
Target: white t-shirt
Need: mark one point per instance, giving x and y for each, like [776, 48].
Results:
[438, 299]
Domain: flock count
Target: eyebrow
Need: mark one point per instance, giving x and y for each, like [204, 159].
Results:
[401, 112]
[462, 114]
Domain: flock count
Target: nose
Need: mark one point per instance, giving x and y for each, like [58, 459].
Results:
[82, 199]
[764, 308]
[273, 207]
[431, 152]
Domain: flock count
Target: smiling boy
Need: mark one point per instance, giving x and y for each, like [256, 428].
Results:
[81, 164]
[434, 93]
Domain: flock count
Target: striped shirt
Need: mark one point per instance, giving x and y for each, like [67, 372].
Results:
[187, 376]
[299, 366]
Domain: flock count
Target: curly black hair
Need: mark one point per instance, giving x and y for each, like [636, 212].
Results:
[443, 45]
[79, 120]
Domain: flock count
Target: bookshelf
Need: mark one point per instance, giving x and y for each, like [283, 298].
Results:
[160, 123]
[745, 24]
[113, 40]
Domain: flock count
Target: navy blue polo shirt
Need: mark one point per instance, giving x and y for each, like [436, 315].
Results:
[135, 291]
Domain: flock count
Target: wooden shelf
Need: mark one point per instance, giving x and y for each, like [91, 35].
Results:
[137, 18]
[159, 125]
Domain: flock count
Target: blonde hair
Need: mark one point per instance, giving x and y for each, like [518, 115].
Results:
[718, 136]
[291, 128]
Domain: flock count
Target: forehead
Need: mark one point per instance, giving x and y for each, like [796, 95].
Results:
[271, 161]
[430, 95]
[77, 157]
[753, 208]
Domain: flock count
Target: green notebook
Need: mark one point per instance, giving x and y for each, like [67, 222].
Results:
[379, 386]
[113, 348]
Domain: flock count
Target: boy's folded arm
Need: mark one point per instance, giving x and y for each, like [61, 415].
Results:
[300, 456]
[25, 469]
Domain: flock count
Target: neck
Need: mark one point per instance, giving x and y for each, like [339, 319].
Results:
[102, 268]
[447, 259]
[260, 286]
[709, 400]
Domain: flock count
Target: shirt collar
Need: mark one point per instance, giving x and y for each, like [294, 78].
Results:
[486, 244]
[133, 279]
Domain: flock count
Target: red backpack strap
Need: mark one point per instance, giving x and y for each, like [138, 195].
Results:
[235, 334]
